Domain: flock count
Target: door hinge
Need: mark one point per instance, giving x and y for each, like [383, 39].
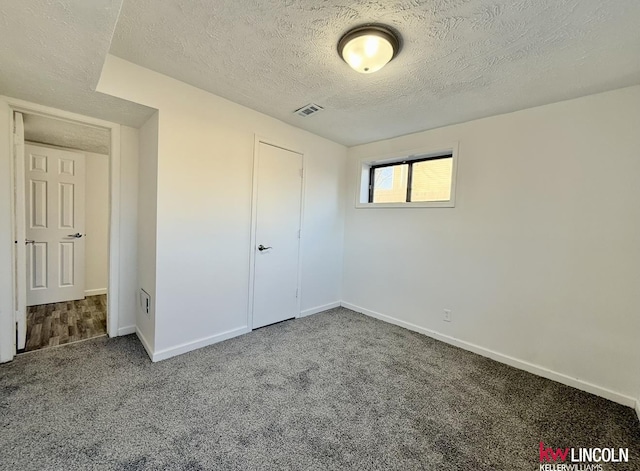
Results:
[299, 233]
[301, 172]
[296, 293]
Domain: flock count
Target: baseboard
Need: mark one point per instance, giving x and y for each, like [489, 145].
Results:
[127, 330]
[144, 343]
[95, 292]
[506, 359]
[317, 309]
[204, 342]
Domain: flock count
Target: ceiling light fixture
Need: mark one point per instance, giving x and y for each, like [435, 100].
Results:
[368, 48]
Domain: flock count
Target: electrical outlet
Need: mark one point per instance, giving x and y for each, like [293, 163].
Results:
[447, 315]
[145, 302]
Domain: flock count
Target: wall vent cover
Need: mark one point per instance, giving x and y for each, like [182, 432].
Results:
[308, 110]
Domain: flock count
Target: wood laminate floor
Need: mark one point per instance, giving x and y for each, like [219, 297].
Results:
[49, 325]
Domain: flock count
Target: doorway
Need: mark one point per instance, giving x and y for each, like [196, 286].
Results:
[61, 295]
[66, 227]
[276, 235]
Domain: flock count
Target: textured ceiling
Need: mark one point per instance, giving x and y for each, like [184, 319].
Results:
[461, 59]
[52, 53]
[61, 133]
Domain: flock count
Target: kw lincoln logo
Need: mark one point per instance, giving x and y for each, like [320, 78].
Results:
[580, 459]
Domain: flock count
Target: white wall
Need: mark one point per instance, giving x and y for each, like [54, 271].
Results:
[96, 223]
[323, 239]
[128, 273]
[540, 258]
[204, 169]
[146, 223]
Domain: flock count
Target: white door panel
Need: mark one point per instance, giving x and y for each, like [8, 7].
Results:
[55, 181]
[278, 210]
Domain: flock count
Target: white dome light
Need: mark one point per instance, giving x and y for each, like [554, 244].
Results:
[367, 49]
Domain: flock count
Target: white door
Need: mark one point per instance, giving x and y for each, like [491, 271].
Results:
[277, 235]
[54, 187]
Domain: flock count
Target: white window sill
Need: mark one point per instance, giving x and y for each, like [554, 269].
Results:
[418, 204]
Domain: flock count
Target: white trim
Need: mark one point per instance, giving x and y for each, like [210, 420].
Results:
[254, 219]
[196, 344]
[366, 162]
[506, 359]
[317, 309]
[25, 107]
[252, 237]
[144, 343]
[131, 329]
[415, 204]
[8, 302]
[19, 232]
[95, 292]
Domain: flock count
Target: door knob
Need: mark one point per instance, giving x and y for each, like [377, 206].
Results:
[29, 241]
[77, 235]
[262, 247]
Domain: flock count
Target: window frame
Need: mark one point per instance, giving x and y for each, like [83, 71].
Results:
[409, 164]
[369, 165]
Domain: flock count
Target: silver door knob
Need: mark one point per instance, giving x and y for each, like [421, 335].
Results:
[29, 241]
[262, 247]
[77, 235]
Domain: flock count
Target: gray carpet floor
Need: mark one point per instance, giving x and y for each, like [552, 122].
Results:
[337, 390]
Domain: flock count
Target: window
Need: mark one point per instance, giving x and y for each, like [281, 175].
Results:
[419, 180]
[388, 183]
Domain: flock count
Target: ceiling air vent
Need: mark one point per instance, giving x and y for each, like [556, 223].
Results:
[308, 110]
